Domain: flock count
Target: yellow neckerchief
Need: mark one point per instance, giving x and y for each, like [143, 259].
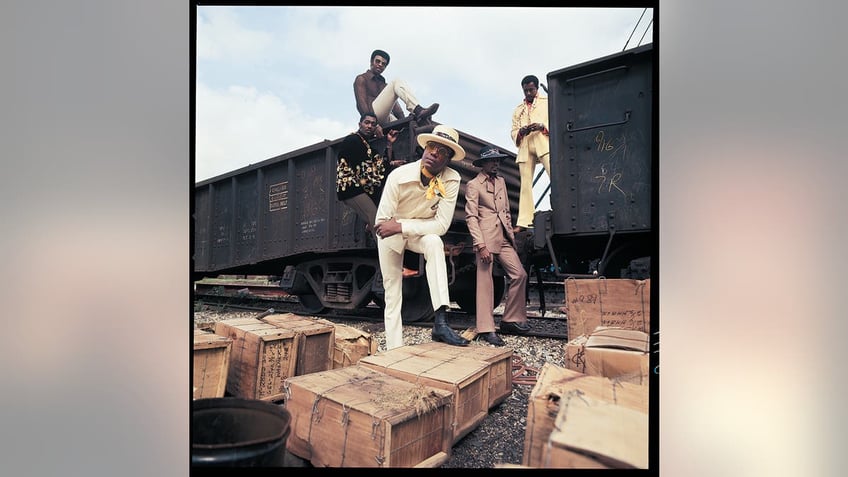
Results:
[435, 183]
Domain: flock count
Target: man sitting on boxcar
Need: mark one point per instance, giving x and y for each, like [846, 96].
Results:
[360, 170]
[372, 93]
[416, 209]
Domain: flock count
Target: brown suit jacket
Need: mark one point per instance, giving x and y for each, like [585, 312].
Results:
[487, 215]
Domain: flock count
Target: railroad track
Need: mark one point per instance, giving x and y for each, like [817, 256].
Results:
[547, 298]
[543, 326]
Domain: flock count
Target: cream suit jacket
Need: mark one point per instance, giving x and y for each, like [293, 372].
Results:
[523, 116]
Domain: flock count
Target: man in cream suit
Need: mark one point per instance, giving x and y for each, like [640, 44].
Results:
[490, 224]
[415, 210]
[530, 133]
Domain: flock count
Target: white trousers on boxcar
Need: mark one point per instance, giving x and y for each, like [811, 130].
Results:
[394, 90]
[526, 170]
[390, 250]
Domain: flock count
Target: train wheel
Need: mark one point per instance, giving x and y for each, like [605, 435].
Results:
[311, 304]
[417, 305]
[378, 300]
[466, 295]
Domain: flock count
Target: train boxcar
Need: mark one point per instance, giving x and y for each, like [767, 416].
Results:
[281, 217]
[602, 169]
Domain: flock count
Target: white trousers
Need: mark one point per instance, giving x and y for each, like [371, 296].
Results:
[527, 169]
[394, 90]
[390, 251]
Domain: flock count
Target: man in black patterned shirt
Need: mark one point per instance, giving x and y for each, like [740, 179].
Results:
[360, 170]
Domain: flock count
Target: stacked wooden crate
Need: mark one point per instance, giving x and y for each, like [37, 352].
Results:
[467, 379]
[262, 357]
[611, 302]
[358, 417]
[351, 346]
[596, 434]
[499, 360]
[315, 340]
[210, 363]
[558, 388]
[614, 353]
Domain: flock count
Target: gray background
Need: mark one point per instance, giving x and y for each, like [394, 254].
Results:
[95, 212]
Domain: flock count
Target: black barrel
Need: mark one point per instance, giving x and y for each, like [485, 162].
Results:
[234, 432]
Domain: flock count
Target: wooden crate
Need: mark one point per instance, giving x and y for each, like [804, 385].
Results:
[593, 433]
[358, 417]
[210, 362]
[315, 344]
[555, 382]
[498, 358]
[618, 354]
[467, 379]
[613, 302]
[351, 346]
[262, 357]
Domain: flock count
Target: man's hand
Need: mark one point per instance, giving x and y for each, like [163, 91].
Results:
[485, 255]
[392, 135]
[525, 130]
[388, 228]
[378, 131]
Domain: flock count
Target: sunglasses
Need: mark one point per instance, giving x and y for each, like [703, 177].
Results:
[442, 151]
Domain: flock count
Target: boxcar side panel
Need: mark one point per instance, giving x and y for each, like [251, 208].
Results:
[221, 225]
[311, 203]
[601, 147]
[200, 218]
[246, 219]
[275, 204]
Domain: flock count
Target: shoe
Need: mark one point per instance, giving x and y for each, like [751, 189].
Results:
[423, 114]
[492, 338]
[408, 272]
[515, 328]
[442, 332]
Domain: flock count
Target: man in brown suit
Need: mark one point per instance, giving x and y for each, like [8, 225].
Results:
[490, 224]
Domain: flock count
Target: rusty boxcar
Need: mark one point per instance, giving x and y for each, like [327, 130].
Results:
[281, 217]
[602, 120]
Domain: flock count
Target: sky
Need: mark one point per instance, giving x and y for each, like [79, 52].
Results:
[273, 79]
[752, 167]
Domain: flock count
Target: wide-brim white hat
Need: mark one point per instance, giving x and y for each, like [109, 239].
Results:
[445, 136]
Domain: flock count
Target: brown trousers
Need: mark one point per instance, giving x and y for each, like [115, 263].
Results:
[515, 309]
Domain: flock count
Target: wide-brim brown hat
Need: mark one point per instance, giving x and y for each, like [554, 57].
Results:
[489, 153]
[445, 136]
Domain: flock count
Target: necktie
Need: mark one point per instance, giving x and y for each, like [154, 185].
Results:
[435, 183]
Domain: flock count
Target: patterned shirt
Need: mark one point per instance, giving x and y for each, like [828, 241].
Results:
[359, 170]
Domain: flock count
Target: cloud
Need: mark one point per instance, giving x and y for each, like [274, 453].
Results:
[270, 65]
[239, 126]
[220, 36]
